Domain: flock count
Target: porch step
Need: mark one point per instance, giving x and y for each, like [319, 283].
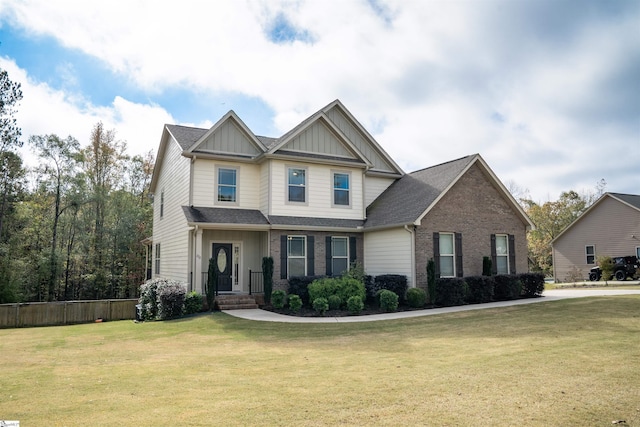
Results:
[235, 302]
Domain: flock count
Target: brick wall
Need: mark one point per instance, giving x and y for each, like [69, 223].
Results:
[476, 209]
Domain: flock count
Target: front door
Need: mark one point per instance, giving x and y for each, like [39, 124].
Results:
[222, 256]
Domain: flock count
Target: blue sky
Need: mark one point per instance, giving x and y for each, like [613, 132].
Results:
[543, 90]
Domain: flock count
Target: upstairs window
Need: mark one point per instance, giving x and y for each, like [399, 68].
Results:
[297, 185]
[227, 185]
[590, 252]
[341, 187]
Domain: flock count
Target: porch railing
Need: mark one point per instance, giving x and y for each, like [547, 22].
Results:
[256, 282]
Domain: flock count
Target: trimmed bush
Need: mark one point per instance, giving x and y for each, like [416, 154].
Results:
[532, 284]
[149, 299]
[487, 266]
[431, 280]
[369, 286]
[479, 289]
[388, 300]
[450, 291]
[193, 303]
[416, 297]
[295, 303]
[323, 288]
[321, 305]
[267, 277]
[334, 302]
[355, 304]
[395, 283]
[171, 296]
[278, 299]
[349, 287]
[344, 287]
[507, 287]
[299, 286]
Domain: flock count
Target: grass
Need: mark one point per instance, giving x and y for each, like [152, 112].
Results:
[569, 362]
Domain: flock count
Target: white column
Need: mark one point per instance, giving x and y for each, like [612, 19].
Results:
[197, 280]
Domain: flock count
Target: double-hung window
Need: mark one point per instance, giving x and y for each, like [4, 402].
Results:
[297, 185]
[162, 203]
[339, 255]
[447, 255]
[590, 252]
[227, 185]
[157, 259]
[341, 189]
[297, 256]
[502, 254]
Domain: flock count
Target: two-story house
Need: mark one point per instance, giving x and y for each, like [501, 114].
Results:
[318, 198]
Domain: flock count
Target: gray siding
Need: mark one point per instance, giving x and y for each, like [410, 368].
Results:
[318, 139]
[611, 226]
[229, 139]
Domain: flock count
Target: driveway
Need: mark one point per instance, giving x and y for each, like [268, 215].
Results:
[551, 295]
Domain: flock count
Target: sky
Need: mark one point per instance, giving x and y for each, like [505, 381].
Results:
[546, 91]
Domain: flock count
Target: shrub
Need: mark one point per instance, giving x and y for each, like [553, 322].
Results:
[348, 287]
[507, 287]
[192, 303]
[356, 271]
[388, 300]
[450, 291]
[149, 299]
[606, 266]
[370, 288]
[295, 303]
[431, 280]
[212, 284]
[532, 284]
[479, 289]
[334, 302]
[321, 305]
[487, 266]
[393, 282]
[416, 297]
[170, 296]
[323, 288]
[355, 304]
[267, 277]
[278, 299]
[299, 286]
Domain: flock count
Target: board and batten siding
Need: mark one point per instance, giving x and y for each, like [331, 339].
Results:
[229, 139]
[319, 183]
[319, 139]
[171, 231]
[388, 252]
[375, 186]
[609, 227]
[204, 183]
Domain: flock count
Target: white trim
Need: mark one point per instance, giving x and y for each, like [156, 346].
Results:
[304, 247]
[287, 168]
[333, 189]
[453, 252]
[234, 244]
[216, 183]
[586, 257]
[333, 255]
[505, 255]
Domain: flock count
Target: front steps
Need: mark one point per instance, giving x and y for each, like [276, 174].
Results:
[235, 302]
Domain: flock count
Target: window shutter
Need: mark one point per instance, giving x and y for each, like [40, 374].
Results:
[283, 257]
[494, 261]
[512, 254]
[353, 255]
[329, 256]
[436, 252]
[459, 272]
[310, 257]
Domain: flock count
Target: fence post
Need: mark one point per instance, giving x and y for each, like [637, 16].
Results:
[250, 281]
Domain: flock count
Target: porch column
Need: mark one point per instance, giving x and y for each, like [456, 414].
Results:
[197, 280]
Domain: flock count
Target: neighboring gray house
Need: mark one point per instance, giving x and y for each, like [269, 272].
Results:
[318, 198]
[610, 227]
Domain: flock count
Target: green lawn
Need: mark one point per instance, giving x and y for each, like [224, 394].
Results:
[563, 363]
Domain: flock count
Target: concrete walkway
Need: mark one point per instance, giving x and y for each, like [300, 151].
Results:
[552, 295]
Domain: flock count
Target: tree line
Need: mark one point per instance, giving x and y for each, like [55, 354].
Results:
[72, 227]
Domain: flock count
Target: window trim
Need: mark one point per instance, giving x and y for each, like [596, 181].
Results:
[587, 254]
[452, 255]
[638, 251]
[162, 203]
[334, 189]
[304, 256]
[505, 255]
[216, 196]
[345, 257]
[157, 259]
[305, 186]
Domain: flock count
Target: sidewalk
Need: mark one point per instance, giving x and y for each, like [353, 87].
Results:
[552, 295]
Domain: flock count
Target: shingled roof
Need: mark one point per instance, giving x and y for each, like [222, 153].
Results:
[632, 199]
[186, 136]
[409, 197]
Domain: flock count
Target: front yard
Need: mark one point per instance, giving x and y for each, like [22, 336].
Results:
[570, 362]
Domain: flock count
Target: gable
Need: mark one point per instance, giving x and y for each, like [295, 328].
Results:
[362, 142]
[318, 139]
[227, 138]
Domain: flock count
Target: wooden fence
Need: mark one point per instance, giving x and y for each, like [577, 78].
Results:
[65, 312]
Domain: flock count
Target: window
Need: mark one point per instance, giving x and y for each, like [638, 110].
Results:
[341, 189]
[157, 259]
[339, 255]
[296, 256]
[638, 251]
[447, 255]
[297, 185]
[227, 185]
[162, 203]
[591, 254]
[502, 254]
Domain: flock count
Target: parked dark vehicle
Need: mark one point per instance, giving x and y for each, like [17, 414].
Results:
[623, 267]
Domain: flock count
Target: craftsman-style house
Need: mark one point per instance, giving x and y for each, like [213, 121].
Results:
[318, 198]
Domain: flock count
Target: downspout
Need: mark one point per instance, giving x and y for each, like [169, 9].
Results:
[411, 231]
[193, 159]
